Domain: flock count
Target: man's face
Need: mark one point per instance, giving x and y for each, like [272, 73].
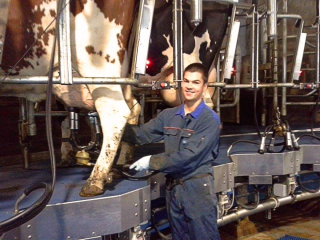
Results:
[193, 86]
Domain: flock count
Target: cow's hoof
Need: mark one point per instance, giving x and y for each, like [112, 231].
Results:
[90, 190]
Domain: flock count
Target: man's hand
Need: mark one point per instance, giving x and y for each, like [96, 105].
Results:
[141, 164]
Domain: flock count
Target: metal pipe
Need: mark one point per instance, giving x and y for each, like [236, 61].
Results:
[135, 47]
[76, 80]
[318, 45]
[217, 88]
[177, 42]
[65, 64]
[196, 12]
[56, 114]
[272, 18]
[284, 60]
[23, 131]
[288, 16]
[268, 204]
[32, 128]
[301, 103]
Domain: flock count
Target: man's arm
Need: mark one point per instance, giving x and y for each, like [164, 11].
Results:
[147, 133]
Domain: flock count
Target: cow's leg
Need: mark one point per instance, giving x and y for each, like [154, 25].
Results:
[113, 112]
[67, 153]
[127, 149]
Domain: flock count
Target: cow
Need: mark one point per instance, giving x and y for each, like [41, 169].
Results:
[200, 44]
[100, 31]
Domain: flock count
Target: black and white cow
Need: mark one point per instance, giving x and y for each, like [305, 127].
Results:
[100, 31]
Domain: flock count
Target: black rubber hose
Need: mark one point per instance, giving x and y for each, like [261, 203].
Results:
[132, 177]
[155, 227]
[307, 189]
[250, 207]
[40, 204]
[86, 148]
[31, 211]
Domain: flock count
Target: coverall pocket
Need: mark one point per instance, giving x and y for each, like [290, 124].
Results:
[201, 198]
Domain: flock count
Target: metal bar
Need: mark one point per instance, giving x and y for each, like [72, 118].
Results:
[4, 8]
[135, 47]
[289, 16]
[142, 38]
[318, 45]
[32, 128]
[301, 103]
[284, 60]
[218, 89]
[23, 131]
[298, 54]
[268, 204]
[127, 81]
[76, 80]
[255, 50]
[65, 46]
[272, 18]
[177, 42]
[233, 32]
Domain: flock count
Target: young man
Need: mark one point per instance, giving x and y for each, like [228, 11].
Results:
[191, 134]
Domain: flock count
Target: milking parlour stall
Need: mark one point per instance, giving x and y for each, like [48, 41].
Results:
[76, 75]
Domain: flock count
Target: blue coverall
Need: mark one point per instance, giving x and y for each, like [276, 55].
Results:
[191, 144]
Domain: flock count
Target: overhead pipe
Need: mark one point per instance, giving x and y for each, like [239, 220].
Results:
[318, 43]
[177, 42]
[272, 33]
[284, 59]
[271, 203]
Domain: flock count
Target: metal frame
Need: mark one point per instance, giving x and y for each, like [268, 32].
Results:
[4, 8]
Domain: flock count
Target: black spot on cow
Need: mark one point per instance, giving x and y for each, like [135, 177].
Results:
[215, 20]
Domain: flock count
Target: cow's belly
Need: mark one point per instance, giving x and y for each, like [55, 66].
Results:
[33, 93]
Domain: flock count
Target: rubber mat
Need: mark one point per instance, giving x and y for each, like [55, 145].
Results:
[287, 237]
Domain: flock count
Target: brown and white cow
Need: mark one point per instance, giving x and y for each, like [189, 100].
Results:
[100, 31]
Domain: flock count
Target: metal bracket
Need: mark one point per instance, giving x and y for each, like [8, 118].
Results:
[231, 46]
[142, 41]
[4, 8]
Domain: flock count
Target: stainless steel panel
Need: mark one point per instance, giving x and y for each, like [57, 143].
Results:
[310, 154]
[280, 190]
[260, 179]
[266, 164]
[87, 218]
[296, 66]
[4, 7]
[316, 167]
[143, 38]
[223, 177]
[64, 46]
[231, 50]
[157, 186]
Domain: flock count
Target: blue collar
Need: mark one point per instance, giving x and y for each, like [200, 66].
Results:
[195, 114]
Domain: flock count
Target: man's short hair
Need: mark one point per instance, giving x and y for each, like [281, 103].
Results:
[198, 67]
